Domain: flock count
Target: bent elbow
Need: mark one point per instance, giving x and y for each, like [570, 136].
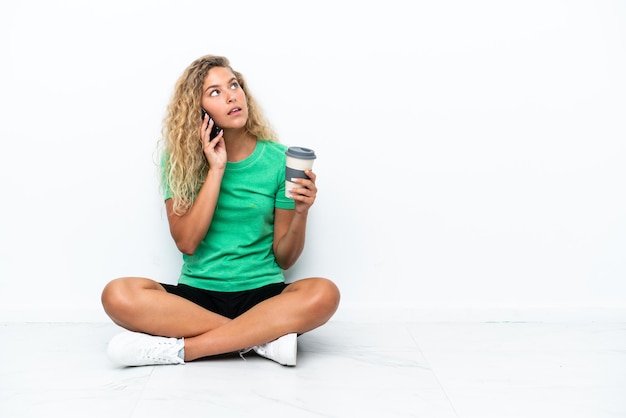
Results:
[285, 265]
[186, 248]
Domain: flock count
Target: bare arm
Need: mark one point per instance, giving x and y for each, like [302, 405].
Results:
[290, 225]
[189, 229]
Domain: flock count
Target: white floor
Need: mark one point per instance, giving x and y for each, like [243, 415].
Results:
[345, 369]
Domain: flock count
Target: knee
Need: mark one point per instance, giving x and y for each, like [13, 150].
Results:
[115, 297]
[326, 297]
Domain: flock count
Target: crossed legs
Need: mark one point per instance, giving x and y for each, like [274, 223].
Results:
[143, 305]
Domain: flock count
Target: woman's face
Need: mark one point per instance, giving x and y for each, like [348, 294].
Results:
[224, 99]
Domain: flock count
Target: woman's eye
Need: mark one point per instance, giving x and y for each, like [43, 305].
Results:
[234, 86]
[213, 93]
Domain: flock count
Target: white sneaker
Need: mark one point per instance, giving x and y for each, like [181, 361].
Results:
[283, 350]
[137, 349]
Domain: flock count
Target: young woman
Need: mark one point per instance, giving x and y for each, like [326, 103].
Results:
[229, 216]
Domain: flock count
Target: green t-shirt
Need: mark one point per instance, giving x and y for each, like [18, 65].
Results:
[236, 253]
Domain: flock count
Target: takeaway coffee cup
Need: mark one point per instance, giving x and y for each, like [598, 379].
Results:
[298, 160]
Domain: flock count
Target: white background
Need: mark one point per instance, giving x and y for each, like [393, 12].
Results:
[470, 153]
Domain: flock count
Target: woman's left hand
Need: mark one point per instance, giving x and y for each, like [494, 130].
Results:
[306, 191]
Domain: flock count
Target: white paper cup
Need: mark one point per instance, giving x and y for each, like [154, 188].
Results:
[298, 160]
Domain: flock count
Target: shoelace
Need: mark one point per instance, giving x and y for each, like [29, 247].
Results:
[259, 349]
[245, 351]
[161, 351]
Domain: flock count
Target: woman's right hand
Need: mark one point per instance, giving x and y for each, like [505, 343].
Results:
[214, 150]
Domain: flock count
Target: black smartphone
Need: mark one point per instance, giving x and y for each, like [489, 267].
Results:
[216, 129]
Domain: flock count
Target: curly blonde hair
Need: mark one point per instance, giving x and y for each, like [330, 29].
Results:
[184, 166]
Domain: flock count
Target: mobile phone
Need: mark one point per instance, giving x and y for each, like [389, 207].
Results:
[216, 129]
